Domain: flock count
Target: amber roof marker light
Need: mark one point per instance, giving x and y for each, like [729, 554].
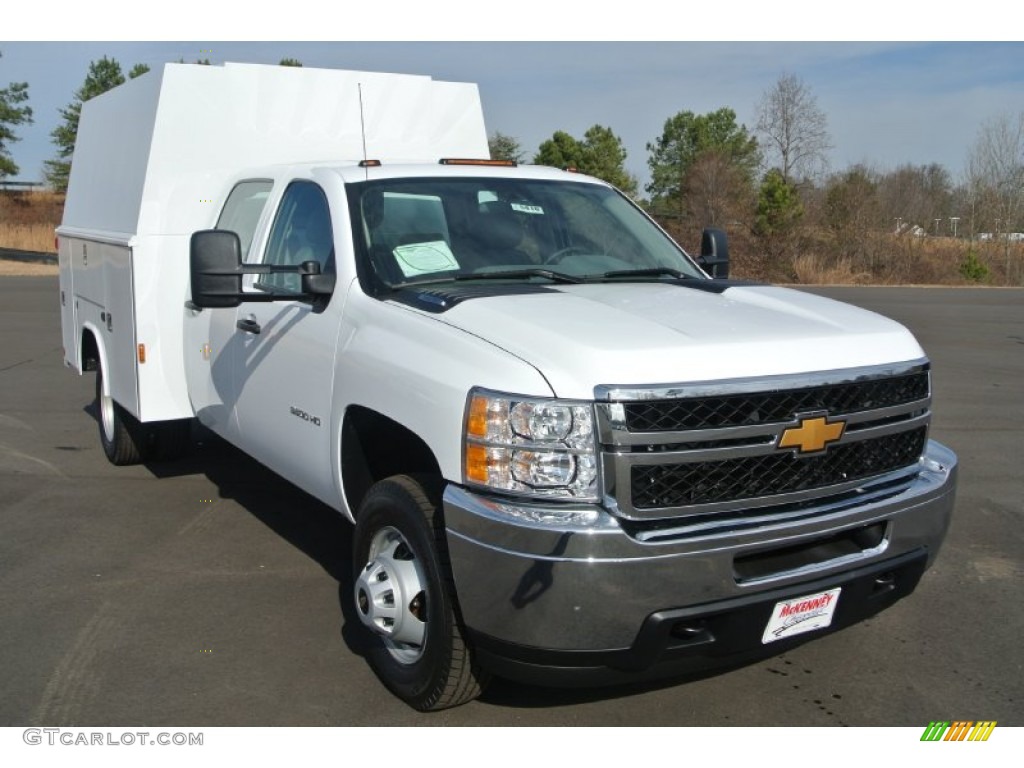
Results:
[471, 161]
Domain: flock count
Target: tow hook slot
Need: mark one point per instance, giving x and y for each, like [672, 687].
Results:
[883, 584]
[687, 633]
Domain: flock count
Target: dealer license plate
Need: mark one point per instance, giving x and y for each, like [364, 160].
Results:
[801, 614]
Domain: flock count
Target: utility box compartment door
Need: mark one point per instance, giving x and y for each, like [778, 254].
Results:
[119, 326]
[68, 315]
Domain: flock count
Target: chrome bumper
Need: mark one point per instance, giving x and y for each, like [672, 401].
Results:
[570, 578]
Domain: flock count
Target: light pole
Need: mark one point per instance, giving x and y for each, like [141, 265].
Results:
[953, 220]
[937, 227]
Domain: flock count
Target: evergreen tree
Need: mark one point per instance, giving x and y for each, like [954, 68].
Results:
[560, 151]
[600, 154]
[778, 207]
[12, 115]
[504, 147]
[688, 136]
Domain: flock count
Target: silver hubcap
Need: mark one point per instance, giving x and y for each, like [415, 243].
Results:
[107, 414]
[391, 595]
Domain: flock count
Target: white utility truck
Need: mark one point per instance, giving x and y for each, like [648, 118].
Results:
[572, 453]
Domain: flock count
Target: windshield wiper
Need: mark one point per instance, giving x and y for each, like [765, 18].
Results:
[418, 283]
[557, 277]
[652, 272]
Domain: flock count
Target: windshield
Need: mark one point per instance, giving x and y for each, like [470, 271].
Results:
[440, 229]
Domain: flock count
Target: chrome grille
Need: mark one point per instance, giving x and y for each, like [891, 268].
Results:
[761, 407]
[709, 482]
[710, 448]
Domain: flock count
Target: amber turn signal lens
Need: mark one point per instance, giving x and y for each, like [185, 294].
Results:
[477, 424]
[476, 463]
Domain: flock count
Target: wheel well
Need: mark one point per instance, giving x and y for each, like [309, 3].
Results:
[374, 447]
[90, 352]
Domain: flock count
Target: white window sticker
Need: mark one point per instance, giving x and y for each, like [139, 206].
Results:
[424, 258]
[801, 614]
[524, 208]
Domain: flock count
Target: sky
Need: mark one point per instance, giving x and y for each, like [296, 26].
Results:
[887, 102]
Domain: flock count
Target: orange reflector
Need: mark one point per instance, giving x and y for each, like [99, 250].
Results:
[476, 425]
[476, 463]
[369, 163]
[471, 161]
[142, 353]
[571, 169]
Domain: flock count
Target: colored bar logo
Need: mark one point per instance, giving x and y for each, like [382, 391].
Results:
[958, 730]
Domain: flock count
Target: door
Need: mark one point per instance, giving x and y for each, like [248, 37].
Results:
[210, 333]
[284, 366]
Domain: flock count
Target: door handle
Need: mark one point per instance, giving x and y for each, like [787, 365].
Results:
[249, 325]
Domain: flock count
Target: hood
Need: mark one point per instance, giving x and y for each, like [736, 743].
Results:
[622, 334]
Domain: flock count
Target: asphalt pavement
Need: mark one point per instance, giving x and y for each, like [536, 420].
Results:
[211, 592]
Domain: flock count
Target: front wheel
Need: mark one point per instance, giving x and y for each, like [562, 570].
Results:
[404, 595]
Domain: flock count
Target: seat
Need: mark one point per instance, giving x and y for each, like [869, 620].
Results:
[498, 235]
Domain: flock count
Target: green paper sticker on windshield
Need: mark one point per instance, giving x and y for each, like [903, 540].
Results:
[425, 258]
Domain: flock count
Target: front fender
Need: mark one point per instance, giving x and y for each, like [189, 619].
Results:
[408, 365]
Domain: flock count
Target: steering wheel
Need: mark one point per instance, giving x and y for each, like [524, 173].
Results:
[561, 253]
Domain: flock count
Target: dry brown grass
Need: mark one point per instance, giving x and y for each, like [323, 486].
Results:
[889, 260]
[815, 270]
[27, 237]
[27, 220]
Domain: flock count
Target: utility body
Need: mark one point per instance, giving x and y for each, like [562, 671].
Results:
[572, 453]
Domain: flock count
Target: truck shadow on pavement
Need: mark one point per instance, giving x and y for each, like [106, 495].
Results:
[310, 526]
[325, 536]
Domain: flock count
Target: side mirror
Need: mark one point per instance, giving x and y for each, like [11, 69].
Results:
[714, 253]
[314, 284]
[215, 261]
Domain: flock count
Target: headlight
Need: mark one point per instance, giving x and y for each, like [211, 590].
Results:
[530, 446]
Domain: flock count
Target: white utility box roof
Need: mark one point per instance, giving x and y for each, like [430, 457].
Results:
[154, 153]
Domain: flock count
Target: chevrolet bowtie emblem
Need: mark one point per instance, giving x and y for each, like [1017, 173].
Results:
[812, 435]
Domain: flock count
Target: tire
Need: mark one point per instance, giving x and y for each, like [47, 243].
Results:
[405, 596]
[123, 438]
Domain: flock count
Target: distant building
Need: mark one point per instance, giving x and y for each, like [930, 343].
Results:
[1013, 237]
[911, 229]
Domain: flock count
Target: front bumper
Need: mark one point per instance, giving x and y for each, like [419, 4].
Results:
[552, 586]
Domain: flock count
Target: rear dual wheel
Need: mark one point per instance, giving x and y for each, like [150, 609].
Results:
[122, 436]
[126, 440]
[404, 595]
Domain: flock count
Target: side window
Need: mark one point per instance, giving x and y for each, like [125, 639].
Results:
[242, 210]
[301, 232]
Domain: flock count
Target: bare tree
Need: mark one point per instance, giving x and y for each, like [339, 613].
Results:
[715, 191]
[995, 171]
[851, 213]
[794, 129]
[915, 195]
